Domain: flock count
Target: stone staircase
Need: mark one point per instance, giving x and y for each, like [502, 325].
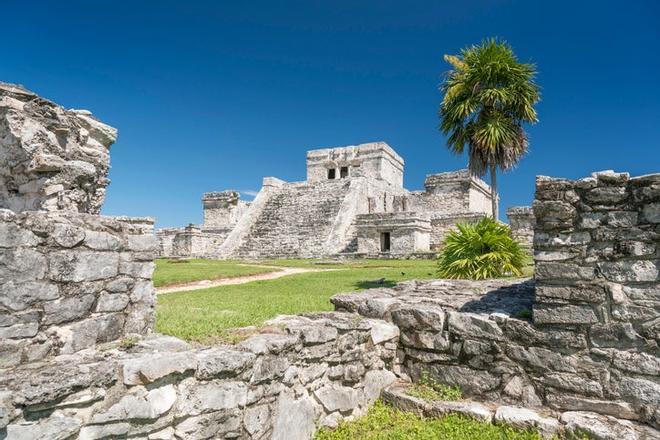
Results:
[296, 221]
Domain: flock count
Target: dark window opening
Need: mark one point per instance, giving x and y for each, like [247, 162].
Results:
[331, 173]
[385, 242]
[343, 172]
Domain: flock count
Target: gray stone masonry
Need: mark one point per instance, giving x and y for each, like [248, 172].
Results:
[522, 222]
[52, 158]
[408, 233]
[597, 254]
[308, 372]
[70, 280]
[478, 335]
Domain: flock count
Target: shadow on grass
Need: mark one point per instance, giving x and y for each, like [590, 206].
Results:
[370, 284]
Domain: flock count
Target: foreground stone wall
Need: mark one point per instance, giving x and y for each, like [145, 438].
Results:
[313, 371]
[598, 257]
[69, 281]
[585, 338]
[477, 335]
[52, 158]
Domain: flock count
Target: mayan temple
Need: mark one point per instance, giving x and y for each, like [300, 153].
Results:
[352, 203]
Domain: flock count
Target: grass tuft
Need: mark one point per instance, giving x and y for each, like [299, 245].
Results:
[383, 422]
[427, 388]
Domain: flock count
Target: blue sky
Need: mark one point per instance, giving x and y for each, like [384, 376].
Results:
[211, 95]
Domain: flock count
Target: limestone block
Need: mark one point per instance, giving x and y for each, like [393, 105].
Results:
[206, 397]
[216, 424]
[222, 363]
[55, 428]
[600, 427]
[419, 317]
[472, 325]
[293, 418]
[564, 314]
[574, 383]
[78, 265]
[257, 420]
[151, 368]
[627, 271]
[607, 195]
[18, 296]
[337, 398]
[267, 368]
[523, 418]
[466, 408]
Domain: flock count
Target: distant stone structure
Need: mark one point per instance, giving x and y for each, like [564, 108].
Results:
[352, 203]
[522, 222]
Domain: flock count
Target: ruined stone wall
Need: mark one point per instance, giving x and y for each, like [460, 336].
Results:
[313, 371]
[52, 159]
[222, 210]
[69, 281]
[454, 192]
[165, 237]
[522, 222]
[585, 339]
[374, 160]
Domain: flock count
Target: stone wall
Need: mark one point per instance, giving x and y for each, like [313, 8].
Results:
[584, 339]
[522, 222]
[312, 371]
[52, 158]
[409, 233]
[374, 160]
[453, 192]
[69, 281]
[222, 210]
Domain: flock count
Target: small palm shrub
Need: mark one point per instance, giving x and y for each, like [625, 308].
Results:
[481, 250]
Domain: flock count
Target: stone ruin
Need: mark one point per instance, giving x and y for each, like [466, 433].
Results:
[52, 159]
[353, 203]
[573, 352]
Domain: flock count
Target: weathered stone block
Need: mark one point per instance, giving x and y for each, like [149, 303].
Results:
[627, 271]
[471, 325]
[564, 314]
[419, 317]
[76, 266]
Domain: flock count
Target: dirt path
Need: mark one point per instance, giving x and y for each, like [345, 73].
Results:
[205, 284]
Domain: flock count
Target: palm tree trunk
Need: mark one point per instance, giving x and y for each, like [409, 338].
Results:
[493, 191]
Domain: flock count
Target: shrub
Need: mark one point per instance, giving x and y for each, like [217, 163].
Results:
[481, 250]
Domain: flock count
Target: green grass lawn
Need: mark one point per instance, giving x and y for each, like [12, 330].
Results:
[208, 315]
[170, 272]
[386, 423]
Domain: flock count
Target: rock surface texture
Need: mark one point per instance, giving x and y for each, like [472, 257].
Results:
[52, 158]
[314, 371]
[70, 280]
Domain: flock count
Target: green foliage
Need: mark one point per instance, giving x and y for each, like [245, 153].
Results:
[524, 314]
[386, 423]
[212, 314]
[488, 95]
[482, 250]
[429, 389]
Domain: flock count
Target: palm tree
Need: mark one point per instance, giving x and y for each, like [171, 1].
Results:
[488, 96]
